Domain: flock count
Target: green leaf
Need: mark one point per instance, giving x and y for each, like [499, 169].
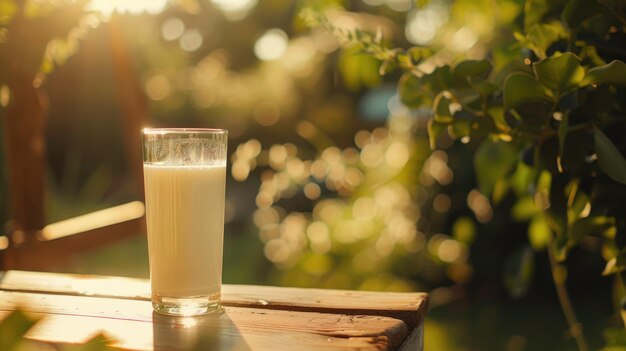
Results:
[434, 130]
[358, 70]
[522, 178]
[519, 271]
[589, 53]
[576, 12]
[560, 73]
[616, 264]
[386, 67]
[472, 68]
[13, 328]
[541, 36]
[524, 209]
[610, 159]
[615, 337]
[520, 88]
[483, 88]
[492, 161]
[539, 232]
[411, 91]
[441, 108]
[460, 128]
[579, 201]
[534, 10]
[417, 54]
[404, 60]
[438, 80]
[611, 73]
[497, 115]
[596, 225]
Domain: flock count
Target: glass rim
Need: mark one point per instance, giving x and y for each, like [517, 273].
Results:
[148, 131]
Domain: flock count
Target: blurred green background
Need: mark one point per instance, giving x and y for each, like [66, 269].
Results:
[332, 182]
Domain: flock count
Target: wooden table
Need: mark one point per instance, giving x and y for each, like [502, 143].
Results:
[74, 308]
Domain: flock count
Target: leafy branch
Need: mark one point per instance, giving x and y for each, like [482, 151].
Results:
[558, 114]
[369, 43]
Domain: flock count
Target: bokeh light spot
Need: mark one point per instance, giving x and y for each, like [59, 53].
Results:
[397, 155]
[449, 250]
[191, 40]
[267, 113]
[271, 45]
[423, 24]
[442, 203]
[172, 28]
[107, 7]
[235, 10]
[158, 87]
[312, 191]
[371, 155]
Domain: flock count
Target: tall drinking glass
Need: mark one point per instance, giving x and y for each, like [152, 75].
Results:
[185, 180]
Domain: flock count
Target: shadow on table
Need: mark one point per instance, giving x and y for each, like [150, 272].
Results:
[211, 332]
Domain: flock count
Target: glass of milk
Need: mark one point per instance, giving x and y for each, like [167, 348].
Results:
[185, 179]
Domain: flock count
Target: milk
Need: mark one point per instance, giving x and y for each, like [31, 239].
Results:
[185, 218]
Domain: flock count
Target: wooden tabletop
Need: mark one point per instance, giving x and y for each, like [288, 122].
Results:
[74, 308]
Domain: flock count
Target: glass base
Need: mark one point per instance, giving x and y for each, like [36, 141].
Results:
[186, 306]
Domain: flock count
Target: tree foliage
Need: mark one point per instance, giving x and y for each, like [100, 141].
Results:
[544, 108]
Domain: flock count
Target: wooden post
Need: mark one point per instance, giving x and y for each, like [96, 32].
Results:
[24, 125]
[132, 101]
[25, 158]
[25, 152]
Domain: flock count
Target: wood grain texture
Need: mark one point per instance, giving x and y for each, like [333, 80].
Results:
[74, 308]
[408, 307]
[131, 324]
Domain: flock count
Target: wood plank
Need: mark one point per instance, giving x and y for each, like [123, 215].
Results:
[93, 220]
[73, 319]
[408, 307]
[136, 335]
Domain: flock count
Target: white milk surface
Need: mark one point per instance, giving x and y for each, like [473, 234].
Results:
[185, 218]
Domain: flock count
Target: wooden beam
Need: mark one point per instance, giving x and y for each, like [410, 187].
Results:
[57, 242]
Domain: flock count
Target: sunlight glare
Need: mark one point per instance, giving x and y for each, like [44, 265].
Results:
[397, 155]
[188, 322]
[423, 24]
[4, 242]
[107, 7]
[463, 40]
[235, 10]
[271, 45]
